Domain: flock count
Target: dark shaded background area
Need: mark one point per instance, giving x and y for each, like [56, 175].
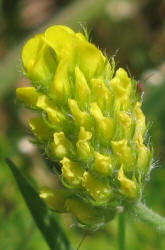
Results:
[133, 31]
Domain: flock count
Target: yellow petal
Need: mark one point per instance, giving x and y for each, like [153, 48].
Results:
[128, 186]
[81, 118]
[28, 95]
[90, 59]
[124, 153]
[82, 88]
[61, 85]
[102, 94]
[126, 122]
[108, 71]
[83, 146]
[39, 128]
[54, 115]
[38, 60]
[105, 124]
[96, 188]
[125, 81]
[103, 164]
[55, 198]
[84, 212]
[84, 134]
[144, 154]
[71, 172]
[61, 39]
[60, 146]
[140, 120]
[96, 112]
[121, 85]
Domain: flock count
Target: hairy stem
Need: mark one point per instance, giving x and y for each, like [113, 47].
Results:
[121, 232]
[147, 215]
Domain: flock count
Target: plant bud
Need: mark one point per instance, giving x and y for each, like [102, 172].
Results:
[28, 95]
[55, 198]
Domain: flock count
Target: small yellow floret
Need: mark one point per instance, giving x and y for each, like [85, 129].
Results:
[61, 85]
[126, 123]
[128, 186]
[83, 147]
[38, 60]
[89, 121]
[84, 212]
[71, 172]
[53, 113]
[125, 119]
[143, 154]
[90, 59]
[60, 146]
[97, 189]
[117, 88]
[80, 36]
[123, 152]
[121, 85]
[105, 124]
[61, 39]
[140, 120]
[103, 164]
[39, 128]
[84, 134]
[55, 198]
[81, 118]
[82, 89]
[28, 95]
[125, 81]
[101, 93]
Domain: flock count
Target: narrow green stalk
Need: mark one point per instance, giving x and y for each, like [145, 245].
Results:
[145, 214]
[121, 232]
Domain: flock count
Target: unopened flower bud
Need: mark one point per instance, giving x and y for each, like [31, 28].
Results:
[55, 198]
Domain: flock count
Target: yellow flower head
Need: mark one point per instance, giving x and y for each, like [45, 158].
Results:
[89, 120]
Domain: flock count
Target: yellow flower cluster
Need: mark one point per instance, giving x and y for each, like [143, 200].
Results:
[89, 120]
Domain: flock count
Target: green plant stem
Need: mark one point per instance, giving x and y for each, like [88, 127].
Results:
[121, 231]
[146, 214]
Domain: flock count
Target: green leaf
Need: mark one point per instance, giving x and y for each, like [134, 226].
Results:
[46, 222]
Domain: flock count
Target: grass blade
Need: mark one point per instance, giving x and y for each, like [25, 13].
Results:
[49, 227]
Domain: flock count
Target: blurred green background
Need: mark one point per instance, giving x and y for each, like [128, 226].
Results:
[133, 31]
